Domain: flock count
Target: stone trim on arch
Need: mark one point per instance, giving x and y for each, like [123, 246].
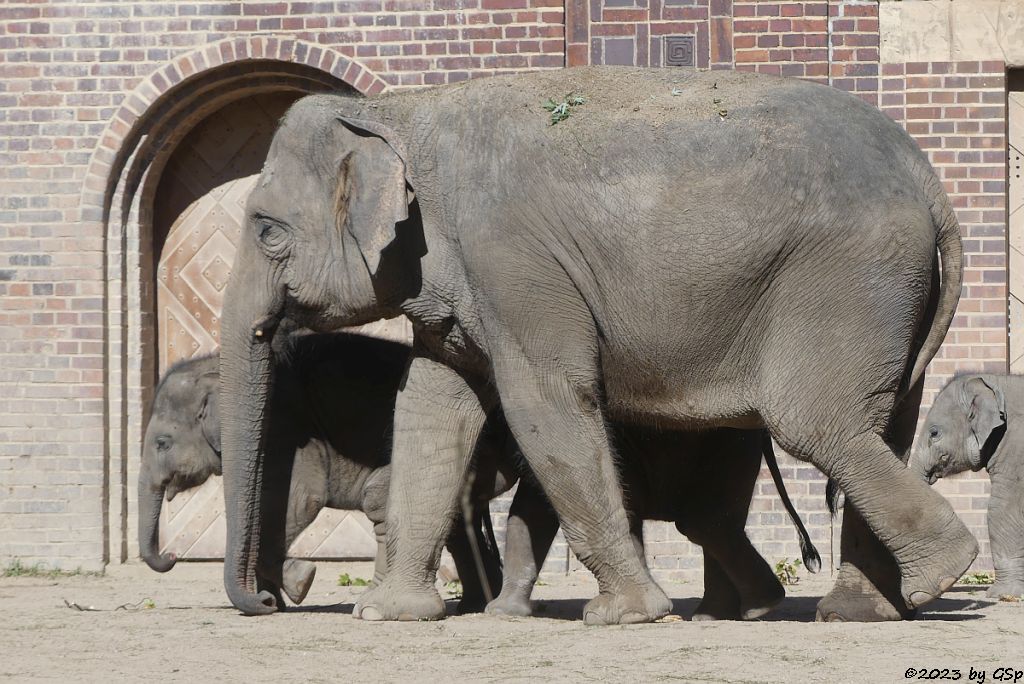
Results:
[103, 169]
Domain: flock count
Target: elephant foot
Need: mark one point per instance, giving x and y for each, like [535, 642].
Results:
[644, 603]
[510, 604]
[760, 603]
[865, 594]
[470, 604]
[1008, 588]
[297, 577]
[388, 601]
[710, 609]
[847, 605]
[941, 569]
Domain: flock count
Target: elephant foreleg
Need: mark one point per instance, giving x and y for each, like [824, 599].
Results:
[1006, 535]
[438, 419]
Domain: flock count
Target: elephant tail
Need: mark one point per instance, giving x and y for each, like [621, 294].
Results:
[951, 259]
[811, 557]
[469, 520]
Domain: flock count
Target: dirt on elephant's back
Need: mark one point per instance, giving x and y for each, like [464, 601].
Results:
[616, 94]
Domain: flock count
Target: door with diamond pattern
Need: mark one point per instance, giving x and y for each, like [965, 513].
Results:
[199, 209]
[1015, 127]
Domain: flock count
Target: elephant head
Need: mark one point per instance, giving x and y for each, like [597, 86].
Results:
[181, 448]
[316, 250]
[962, 429]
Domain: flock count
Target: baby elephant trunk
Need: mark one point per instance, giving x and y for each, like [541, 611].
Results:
[150, 501]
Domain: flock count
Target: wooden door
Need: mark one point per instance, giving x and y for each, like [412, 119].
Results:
[1015, 121]
[200, 209]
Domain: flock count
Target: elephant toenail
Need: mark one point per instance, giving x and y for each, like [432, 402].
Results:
[919, 598]
[371, 614]
[633, 618]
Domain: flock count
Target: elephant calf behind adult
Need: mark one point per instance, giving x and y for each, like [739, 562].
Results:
[977, 421]
[333, 406]
[685, 250]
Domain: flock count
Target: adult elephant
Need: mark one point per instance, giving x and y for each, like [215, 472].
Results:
[679, 250]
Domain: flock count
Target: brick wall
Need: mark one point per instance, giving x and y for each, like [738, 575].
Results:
[76, 80]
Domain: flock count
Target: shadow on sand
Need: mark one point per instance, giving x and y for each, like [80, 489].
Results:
[951, 607]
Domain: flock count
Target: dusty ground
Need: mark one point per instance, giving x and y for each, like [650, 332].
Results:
[193, 634]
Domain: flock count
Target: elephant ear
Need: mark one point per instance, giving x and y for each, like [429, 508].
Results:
[372, 196]
[986, 415]
[208, 416]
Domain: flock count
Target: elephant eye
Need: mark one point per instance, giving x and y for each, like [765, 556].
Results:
[163, 443]
[933, 432]
[272, 236]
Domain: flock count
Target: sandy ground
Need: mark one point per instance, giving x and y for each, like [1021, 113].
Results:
[192, 634]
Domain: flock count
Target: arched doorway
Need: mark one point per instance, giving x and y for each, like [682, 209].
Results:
[133, 194]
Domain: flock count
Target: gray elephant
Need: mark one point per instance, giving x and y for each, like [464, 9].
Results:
[342, 463]
[976, 422]
[683, 251]
[333, 405]
[679, 478]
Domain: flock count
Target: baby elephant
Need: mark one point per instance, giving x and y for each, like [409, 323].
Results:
[977, 421]
[332, 405]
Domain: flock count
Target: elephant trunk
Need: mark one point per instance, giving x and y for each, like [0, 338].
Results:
[920, 463]
[245, 376]
[150, 501]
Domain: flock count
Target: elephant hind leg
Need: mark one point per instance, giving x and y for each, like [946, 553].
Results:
[554, 411]
[867, 587]
[931, 546]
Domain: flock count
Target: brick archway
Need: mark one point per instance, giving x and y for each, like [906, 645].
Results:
[118, 194]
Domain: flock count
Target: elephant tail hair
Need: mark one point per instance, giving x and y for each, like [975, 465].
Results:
[811, 557]
[951, 256]
[832, 496]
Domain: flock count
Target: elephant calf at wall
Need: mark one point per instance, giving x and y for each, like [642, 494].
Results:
[342, 463]
[314, 459]
[977, 421]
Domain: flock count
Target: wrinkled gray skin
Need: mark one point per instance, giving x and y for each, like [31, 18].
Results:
[646, 261]
[977, 421]
[329, 448]
[680, 478]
